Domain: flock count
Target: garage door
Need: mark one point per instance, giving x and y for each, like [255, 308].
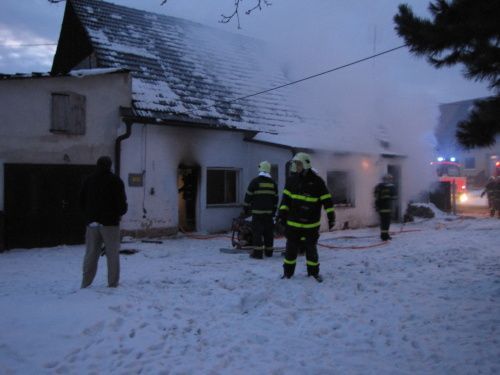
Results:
[41, 204]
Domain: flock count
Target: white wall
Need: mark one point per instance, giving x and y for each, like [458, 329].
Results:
[25, 123]
[159, 150]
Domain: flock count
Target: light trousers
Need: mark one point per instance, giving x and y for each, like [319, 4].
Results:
[94, 238]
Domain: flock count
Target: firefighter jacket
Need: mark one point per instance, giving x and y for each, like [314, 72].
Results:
[261, 197]
[301, 203]
[384, 193]
[489, 189]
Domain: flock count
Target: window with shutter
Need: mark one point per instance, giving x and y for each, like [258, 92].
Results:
[68, 113]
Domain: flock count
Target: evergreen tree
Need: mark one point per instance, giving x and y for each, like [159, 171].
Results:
[466, 32]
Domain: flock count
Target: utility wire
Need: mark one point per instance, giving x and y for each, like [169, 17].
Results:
[276, 87]
[317, 75]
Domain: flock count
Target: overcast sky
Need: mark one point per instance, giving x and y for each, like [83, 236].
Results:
[395, 97]
[314, 35]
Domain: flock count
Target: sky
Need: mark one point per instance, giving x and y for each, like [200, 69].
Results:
[395, 96]
[427, 302]
[315, 36]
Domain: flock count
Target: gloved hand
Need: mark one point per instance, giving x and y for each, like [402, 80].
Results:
[331, 224]
[482, 194]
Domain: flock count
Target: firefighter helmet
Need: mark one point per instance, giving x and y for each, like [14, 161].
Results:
[304, 158]
[265, 166]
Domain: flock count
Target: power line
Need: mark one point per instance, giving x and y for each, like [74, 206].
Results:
[318, 74]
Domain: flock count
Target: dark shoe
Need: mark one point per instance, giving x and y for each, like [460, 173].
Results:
[318, 278]
[256, 254]
[286, 276]
[288, 270]
[269, 253]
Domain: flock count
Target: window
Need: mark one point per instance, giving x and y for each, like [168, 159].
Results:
[470, 163]
[340, 185]
[68, 113]
[222, 186]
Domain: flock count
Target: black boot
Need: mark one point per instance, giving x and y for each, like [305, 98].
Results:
[313, 270]
[257, 254]
[288, 270]
[269, 253]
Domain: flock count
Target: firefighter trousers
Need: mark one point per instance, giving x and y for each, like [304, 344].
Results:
[292, 249]
[385, 223]
[263, 234]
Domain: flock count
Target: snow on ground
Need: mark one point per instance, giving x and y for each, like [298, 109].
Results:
[426, 303]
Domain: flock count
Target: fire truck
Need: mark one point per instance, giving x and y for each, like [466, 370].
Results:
[451, 171]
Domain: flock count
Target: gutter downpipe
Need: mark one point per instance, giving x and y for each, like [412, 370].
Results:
[118, 146]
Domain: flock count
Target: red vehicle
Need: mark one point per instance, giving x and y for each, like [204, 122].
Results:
[449, 171]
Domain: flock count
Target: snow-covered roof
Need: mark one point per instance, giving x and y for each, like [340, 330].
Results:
[180, 69]
[72, 73]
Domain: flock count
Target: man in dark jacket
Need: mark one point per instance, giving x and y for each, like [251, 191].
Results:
[103, 201]
[300, 210]
[385, 194]
[261, 200]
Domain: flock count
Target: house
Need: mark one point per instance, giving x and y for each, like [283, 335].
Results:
[478, 163]
[170, 100]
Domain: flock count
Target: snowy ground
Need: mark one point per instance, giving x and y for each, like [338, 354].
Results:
[426, 303]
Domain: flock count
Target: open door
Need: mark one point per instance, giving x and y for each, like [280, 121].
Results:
[395, 171]
[187, 183]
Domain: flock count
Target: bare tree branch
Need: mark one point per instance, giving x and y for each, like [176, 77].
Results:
[236, 12]
[224, 19]
[259, 6]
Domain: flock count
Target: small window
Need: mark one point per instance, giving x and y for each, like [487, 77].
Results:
[341, 187]
[470, 163]
[68, 113]
[222, 186]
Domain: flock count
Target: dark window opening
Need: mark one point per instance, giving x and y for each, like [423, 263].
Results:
[341, 187]
[222, 186]
[470, 163]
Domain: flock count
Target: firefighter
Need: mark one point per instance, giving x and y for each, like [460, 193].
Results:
[300, 211]
[261, 200]
[489, 190]
[496, 197]
[385, 193]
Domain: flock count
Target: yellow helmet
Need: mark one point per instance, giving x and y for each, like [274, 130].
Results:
[304, 158]
[265, 166]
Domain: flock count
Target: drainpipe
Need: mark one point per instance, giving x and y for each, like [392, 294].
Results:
[118, 146]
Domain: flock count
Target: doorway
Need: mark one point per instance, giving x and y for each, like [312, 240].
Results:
[187, 185]
[395, 171]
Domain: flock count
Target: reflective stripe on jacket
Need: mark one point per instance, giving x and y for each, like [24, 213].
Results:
[302, 199]
[261, 197]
